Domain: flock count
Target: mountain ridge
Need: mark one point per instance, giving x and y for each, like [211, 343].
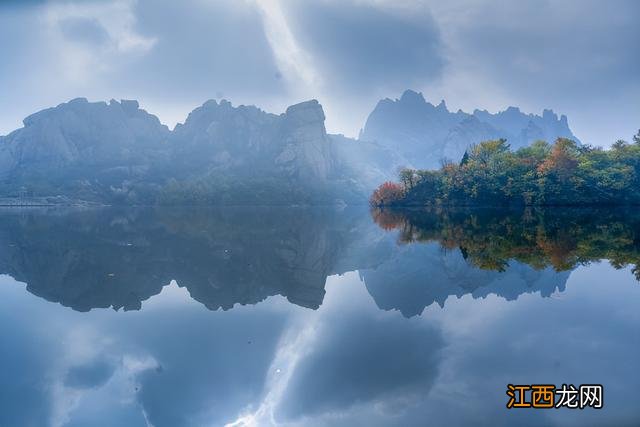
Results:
[428, 134]
[118, 153]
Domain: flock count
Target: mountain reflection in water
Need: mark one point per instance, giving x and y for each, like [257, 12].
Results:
[365, 352]
[99, 258]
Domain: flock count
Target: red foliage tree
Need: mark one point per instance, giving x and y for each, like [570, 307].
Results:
[387, 194]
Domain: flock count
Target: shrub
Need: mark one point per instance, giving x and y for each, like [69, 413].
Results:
[387, 194]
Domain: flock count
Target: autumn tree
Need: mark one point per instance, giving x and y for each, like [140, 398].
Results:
[562, 160]
[388, 193]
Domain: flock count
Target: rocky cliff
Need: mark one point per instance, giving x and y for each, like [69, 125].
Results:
[426, 134]
[82, 135]
[247, 141]
[117, 152]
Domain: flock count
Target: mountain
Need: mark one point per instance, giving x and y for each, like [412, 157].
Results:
[248, 141]
[118, 153]
[426, 134]
[78, 144]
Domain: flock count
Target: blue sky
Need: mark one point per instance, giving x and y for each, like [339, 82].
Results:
[578, 57]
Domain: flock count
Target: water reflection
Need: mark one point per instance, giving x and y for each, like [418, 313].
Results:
[185, 359]
[111, 258]
[101, 258]
[491, 239]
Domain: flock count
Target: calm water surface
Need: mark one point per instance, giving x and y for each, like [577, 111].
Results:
[285, 316]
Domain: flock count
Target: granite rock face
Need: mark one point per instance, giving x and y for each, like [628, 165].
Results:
[222, 137]
[118, 153]
[80, 134]
[104, 150]
[427, 134]
[306, 151]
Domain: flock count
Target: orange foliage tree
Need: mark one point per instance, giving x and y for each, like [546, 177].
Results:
[563, 159]
[388, 193]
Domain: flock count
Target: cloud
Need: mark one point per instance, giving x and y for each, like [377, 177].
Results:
[89, 39]
[99, 22]
[204, 50]
[358, 358]
[362, 46]
[341, 371]
[226, 371]
[84, 30]
[294, 62]
[91, 375]
[576, 57]
[573, 56]
[364, 51]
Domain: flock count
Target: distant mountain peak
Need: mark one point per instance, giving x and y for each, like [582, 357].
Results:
[548, 114]
[412, 97]
[307, 111]
[425, 134]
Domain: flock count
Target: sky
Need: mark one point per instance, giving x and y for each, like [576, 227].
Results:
[577, 57]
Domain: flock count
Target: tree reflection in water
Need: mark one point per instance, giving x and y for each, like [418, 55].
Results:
[562, 238]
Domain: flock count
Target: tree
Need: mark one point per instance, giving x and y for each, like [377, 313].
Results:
[465, 158]
[407, 178]
[636, 137]
[487, 150]
[490, 174]
[620, 144]
[562, 160]
[388, 193]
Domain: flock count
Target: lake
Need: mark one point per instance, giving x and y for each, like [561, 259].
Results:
[263, 316]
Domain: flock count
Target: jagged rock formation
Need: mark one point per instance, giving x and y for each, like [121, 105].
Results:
[83, 134]
[117, 152]
[79, 147]
[427, 134]
[248, 141]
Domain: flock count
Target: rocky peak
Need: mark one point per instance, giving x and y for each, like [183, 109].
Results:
[82, 133]
[307, 112]
[425, 133]
[129, 107]
[563, 121]
[411, 97]
[549, 115]
[306, 152]
[514, 111]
